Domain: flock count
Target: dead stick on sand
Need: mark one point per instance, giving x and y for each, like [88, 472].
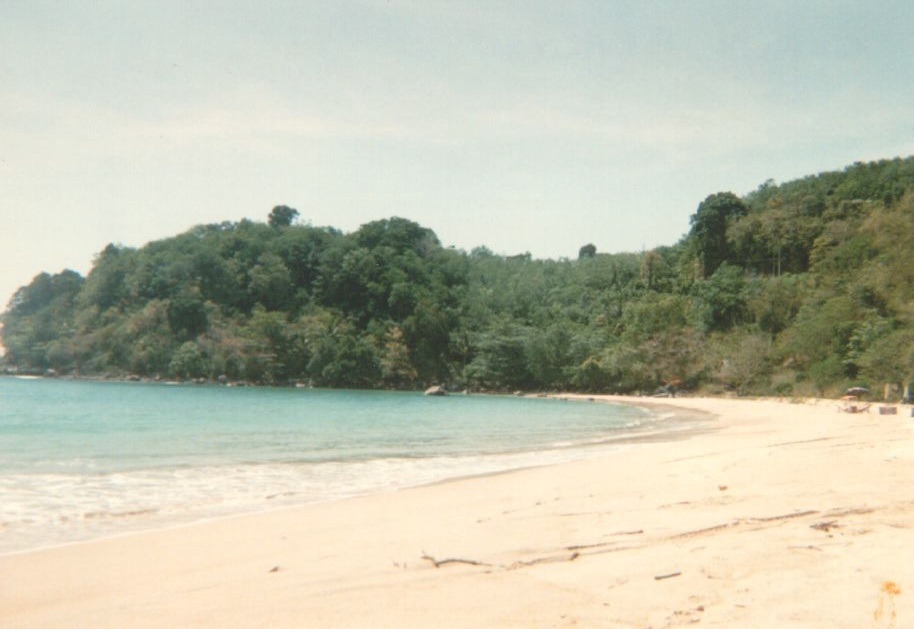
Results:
[514, 566]
[440, 562]
[661, 577]
[786, 516]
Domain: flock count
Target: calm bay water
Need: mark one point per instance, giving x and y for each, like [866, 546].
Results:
[80, 460]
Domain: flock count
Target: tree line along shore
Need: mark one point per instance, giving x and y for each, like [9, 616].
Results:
[799, 288]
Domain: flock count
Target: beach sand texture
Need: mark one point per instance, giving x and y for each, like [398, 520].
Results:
[785, 515]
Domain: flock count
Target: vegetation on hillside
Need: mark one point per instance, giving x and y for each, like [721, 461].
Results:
[800, 288]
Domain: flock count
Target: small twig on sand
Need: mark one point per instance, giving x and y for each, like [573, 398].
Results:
[441, 562]
[514, 566]
[786, 516]
[661, 577]
[638, 532]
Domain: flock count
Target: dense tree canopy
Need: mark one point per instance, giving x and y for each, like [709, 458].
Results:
[800, 288]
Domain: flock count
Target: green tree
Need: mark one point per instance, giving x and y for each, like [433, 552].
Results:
[743, 360]
[188, 362]
[187, 317]
[267, 347]
[397, 370]
[399, 234]
[587, 251]
[269, 284]
[107, 286]
[151, 339]
[282, 216]
[591, 376]
[721, 298]
[890, 358]
[709, 229]
[501, 357]
[38, 325]
[344, 359]
[818, 339]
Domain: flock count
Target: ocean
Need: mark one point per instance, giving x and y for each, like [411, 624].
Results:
[81, 459]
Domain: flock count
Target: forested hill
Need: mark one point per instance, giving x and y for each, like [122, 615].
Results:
[804, 287]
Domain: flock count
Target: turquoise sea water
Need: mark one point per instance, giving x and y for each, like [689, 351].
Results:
[80, 460]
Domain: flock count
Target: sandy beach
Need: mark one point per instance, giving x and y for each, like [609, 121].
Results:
[785, 515]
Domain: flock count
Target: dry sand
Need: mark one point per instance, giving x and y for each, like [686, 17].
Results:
[787, 515]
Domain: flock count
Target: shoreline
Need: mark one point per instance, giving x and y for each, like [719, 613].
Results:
[787, 514]
[661, 428]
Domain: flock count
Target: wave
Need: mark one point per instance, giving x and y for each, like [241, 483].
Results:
[152, 468]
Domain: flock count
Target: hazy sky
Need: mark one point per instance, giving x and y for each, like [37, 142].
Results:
[521, 126]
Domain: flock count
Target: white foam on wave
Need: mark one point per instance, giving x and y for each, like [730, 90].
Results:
[49, 509]
[77, 498]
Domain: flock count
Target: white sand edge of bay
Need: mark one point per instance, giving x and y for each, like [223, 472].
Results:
[788, 514]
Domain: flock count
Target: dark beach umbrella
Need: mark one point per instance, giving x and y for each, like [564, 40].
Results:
[857, 391]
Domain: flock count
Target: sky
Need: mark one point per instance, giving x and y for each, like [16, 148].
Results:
[520, 126]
